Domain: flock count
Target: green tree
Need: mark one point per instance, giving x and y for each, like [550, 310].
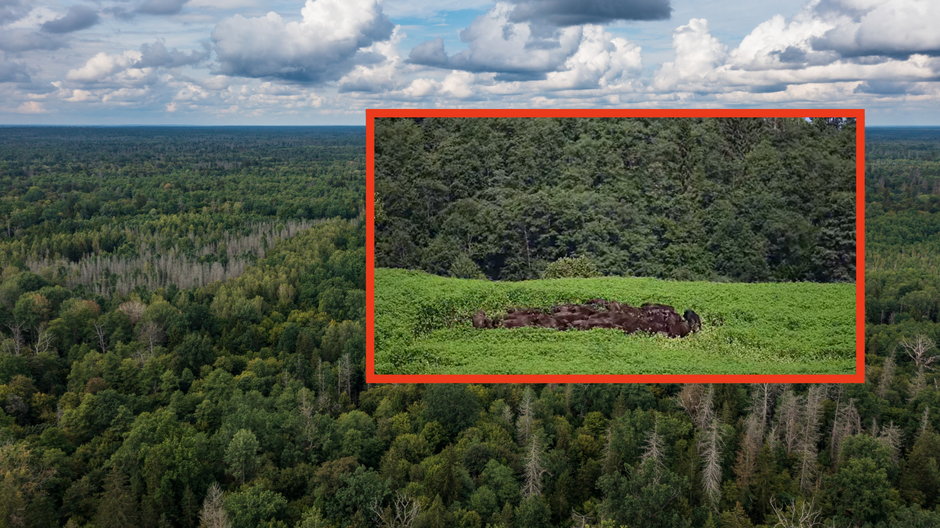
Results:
[571, 267]
[920, 478]
[117, 507]
[859, 492]
[256, 507]
[241, 455]
[645, 495]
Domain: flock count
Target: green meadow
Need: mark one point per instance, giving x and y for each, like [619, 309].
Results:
[423, 326]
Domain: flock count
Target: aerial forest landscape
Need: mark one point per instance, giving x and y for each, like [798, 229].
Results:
[746, 224]
[182, 330]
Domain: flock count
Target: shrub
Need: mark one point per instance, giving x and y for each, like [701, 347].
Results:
[567, 267]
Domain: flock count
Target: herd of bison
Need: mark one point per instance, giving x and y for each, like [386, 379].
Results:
[598, 313]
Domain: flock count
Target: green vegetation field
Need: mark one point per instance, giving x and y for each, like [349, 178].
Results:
[422, 326]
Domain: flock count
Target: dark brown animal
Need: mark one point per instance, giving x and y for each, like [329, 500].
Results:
[599, 313]
[695, 322]
[480, 320]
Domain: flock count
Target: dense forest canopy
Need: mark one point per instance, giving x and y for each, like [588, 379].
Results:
[114, 208]
[241, 403]
[739, 199]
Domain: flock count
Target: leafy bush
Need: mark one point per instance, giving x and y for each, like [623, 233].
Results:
[569, 267]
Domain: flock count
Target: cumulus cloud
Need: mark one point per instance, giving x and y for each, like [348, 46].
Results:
[896, 28]
[383, 75]
[698, 54]
[430, 53]
[504, 57]
[601, 60]
[796, 59]
[135, 65]
[779, 43]
[496, 44]
[78, 17]
[455, 85]
[826, 31]
[577, 12]
[30, 107]
[102, 65]
[322, 46]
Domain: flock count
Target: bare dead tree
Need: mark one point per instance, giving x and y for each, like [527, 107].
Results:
[809, 439]
[788, 420]
[921, 349]
[773, 439]
[525, 420]
[19, 343]
[580, 520]
[213, 514]
[653, 451]
[102, 337]
[751, 443]
[754, 429]
[886, 377]
[134, 310]
[44, 341]
[344, 376]
[925, 419]
[507, 416]
[847, 422]
[690, 398]
[400, 514]
[306, 409]
[533, 468]
[798, 514]
[891, 437]
[151, 334]
[711, 460]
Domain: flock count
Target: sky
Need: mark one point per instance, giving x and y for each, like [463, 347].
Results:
[323, 62]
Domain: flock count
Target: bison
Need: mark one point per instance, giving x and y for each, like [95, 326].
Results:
[599, 313]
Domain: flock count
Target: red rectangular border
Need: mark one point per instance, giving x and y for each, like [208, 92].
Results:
[858, 377]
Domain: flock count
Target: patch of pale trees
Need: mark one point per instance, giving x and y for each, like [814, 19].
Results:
[152, 268]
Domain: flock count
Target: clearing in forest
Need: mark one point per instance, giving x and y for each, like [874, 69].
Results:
[423, 326]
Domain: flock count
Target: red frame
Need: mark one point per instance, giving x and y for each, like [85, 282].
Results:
[857, 377]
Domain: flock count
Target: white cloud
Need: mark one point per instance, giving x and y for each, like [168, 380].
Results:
[421, 88]
[896, 27]
[495, 44]
[322, 46]
[30, 107]
[458, 84]
[102, 65]
[524, 57]
[600, 60]
[383, 75]
[796, 59]
[697, 56]
[778, 43]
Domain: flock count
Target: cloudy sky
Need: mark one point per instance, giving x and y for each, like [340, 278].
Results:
[318, 62]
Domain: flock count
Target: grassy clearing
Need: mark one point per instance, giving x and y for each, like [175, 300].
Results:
[422, 326]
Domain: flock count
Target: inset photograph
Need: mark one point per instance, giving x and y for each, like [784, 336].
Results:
[708, 244]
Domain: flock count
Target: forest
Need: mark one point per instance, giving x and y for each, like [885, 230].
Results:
[132, 394]
[717, 199]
